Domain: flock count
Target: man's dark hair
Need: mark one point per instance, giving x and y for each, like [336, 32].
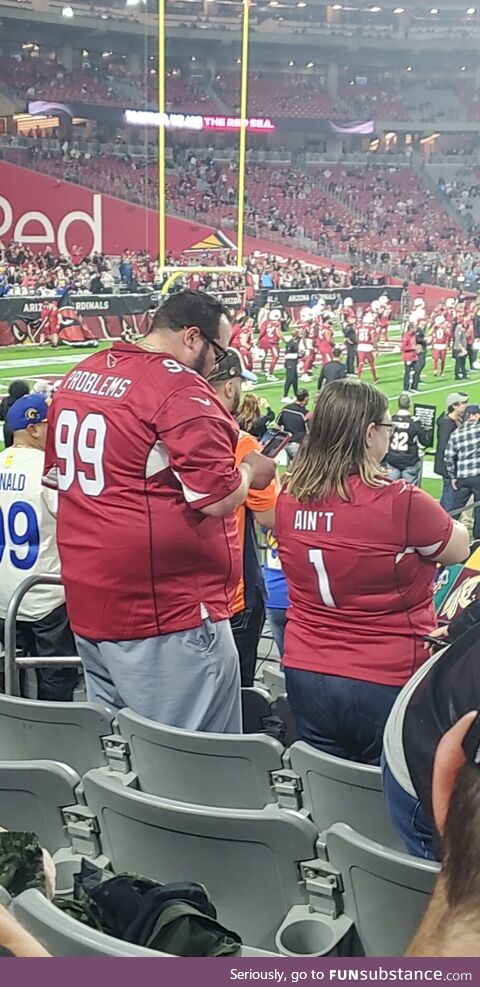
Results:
[190, 308]
[302, 395]
[337, 352]
[404, 401]
[18, 389]
[461, 841]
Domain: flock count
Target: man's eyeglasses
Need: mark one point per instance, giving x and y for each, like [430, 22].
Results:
[220, 352]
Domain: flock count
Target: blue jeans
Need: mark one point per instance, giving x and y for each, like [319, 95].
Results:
[448, 495]
[277, 620]
[411, 474]
[408, 817]
[343, 717]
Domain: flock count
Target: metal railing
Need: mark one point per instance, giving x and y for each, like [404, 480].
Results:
[14, 662]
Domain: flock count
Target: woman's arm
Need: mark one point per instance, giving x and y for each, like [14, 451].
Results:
[457, 548]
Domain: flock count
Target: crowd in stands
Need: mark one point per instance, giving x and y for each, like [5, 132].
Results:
[25, 272]
[41, 78]
[276, 95]
[385, 217]
[32, 75]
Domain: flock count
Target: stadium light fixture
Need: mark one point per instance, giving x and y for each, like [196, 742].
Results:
[291, 63]
[408, 68]
[310, 65]
[399, 10]
[193, 58]
[434, 10]
[337, 6]
[463, 68]
[471, 11]
[67, 12]
[301, 3]
[375, 10]
[85, 53]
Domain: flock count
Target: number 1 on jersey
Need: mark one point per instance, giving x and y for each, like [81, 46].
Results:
[315, 557]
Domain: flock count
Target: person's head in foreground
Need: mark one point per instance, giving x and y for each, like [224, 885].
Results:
[226, 379]
[249, 411]
[349, 434]
[451, 925]
[27, 419]
[193, 327]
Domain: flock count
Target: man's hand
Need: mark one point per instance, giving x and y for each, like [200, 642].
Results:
[263, 469]
[454, 484]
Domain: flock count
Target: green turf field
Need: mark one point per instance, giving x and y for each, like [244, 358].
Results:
[31, 363]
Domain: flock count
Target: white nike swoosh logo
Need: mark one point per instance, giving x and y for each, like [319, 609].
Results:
[202, 400]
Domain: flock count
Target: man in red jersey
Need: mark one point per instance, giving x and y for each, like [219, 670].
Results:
[49, 323]
[366, 346]
[440, 337]
[143, 454]
[271, 334]
[325, 341]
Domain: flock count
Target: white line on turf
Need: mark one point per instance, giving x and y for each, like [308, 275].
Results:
[41, 361]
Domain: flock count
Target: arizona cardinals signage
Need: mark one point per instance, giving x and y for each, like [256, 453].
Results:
[97, 316]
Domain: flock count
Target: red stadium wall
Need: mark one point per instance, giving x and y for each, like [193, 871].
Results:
[41, 211]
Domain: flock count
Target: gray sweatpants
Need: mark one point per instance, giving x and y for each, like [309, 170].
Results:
[190, 679]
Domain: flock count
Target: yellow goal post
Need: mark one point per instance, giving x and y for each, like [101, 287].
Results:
[242, 151]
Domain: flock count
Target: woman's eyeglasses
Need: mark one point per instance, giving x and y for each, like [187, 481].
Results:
[389, 425]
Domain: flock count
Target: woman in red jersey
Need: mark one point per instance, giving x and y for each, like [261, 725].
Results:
[358, 554]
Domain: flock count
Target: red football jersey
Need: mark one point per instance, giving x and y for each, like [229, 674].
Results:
[440, 337]
[366, 339]
[235, 336]
[271, 330]
[137, 445]
[360, 580]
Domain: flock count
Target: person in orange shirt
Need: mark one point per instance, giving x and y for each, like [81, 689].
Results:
[248, 607]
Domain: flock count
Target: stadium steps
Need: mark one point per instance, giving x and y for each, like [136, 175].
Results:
[445, 202]
[355, 213]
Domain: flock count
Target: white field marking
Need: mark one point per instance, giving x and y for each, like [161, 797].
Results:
[428, 472]
[5, 380]
[41, 362]
[415, 397]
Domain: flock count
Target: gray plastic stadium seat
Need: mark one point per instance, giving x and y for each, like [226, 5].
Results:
[201, 768]
[281, 708]
[256, 709]
[32, 795]
[67, 732]
[385, 891]
[248, 860]
[62, 935]
[336, 790]
[273, 679]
